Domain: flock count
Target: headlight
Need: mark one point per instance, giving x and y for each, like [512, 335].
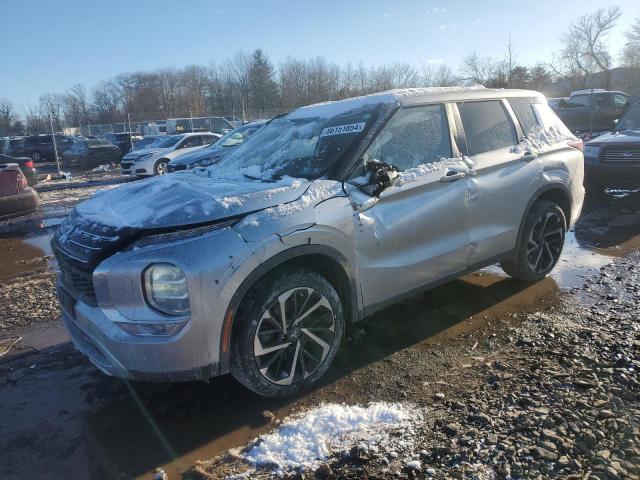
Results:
[143, 157]
[166, 289]
[202, 163]
[590, 151]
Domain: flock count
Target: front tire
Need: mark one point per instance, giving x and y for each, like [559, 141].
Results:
[540, 244]
[287, 332]
[160, 168]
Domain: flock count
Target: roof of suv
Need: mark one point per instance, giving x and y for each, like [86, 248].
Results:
[414, 96]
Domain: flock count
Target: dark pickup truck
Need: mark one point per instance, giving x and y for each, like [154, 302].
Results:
[577, 115]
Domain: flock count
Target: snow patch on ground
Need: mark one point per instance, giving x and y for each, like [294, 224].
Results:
[540, 139]
[305, 440]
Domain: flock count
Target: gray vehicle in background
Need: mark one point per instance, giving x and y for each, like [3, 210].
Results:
[217, 151]
[255, 265]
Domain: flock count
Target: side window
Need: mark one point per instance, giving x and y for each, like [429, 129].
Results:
[580, 100]
[602, 100]
[619, 100]
[414, 136]
[523, 108]
[486, 126]
[193, 141]
[209, 139]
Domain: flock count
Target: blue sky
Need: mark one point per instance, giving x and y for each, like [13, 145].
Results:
[48, 46]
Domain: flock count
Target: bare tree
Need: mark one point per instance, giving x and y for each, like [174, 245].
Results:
[585, 47]
[477, 69]
[6, 117]
[630, 56]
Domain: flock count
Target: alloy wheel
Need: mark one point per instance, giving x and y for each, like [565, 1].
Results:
[35, 156]
[294, 336]
[545, 242]
[161, 169]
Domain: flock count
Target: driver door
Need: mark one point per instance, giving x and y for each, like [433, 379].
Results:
[416, 232]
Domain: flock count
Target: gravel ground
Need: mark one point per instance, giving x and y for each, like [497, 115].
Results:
[549, 394]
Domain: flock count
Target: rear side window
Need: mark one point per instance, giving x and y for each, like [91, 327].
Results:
[486, 126]
[209, 139]
[414, 136]
[523, 109]
[548, 119]
[619, 100]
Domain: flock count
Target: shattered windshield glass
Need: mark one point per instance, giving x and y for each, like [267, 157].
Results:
[302, 146]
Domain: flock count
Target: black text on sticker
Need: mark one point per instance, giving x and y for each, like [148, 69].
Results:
[342, 129]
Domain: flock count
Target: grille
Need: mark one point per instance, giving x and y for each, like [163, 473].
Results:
[79, 282]
[621, 155]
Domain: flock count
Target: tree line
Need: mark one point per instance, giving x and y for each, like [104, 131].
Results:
[249, 85]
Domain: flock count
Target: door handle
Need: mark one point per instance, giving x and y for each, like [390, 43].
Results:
[452, 176]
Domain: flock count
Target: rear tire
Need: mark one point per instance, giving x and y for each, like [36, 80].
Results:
[540, 244]
[276, 358]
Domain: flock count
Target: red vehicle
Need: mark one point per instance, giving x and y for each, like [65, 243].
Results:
[16, 197]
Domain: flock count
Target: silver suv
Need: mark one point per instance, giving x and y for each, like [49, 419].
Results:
[255, 266]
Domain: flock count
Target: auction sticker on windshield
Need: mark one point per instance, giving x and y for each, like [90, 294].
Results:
[342, 129]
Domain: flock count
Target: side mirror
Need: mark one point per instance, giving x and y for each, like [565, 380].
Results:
[381, 176]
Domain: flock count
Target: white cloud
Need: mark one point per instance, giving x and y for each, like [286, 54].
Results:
[436, 11]
[434, 60]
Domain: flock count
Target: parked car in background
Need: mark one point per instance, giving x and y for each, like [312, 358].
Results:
[578, 116]
[556, 102]
[17, 198]
[26, 166]
[613, 160]
[148, 141]
[38, 147]
[154, 161]
[255, 266]
[198, 124]
[90, 153]
[216, 151]
[122, 140]
[12, 146]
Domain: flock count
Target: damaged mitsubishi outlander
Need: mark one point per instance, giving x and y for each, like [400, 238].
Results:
[255, 266]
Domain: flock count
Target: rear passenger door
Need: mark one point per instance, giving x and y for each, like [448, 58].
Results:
[505, 177]
[415, 233]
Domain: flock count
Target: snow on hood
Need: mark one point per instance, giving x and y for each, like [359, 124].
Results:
[305, 440]
[185, 198]
[623, 136]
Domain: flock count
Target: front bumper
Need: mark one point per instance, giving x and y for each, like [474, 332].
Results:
[183, 357]
[613, 175]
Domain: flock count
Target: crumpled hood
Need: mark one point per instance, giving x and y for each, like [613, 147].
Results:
[185, 198]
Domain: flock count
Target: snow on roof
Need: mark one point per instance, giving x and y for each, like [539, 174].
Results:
[406, 96]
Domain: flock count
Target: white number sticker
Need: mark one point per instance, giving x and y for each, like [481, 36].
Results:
[342, 129]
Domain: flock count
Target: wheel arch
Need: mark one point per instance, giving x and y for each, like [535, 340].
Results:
[556, 192]
[322, 259]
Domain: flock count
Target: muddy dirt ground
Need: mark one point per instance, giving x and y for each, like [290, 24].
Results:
[531, 381]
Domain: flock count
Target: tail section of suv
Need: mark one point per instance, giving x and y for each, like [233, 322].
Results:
[255, 265]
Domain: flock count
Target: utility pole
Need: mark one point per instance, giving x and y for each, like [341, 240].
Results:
[55, 147]
[191, 120]
[130, 137]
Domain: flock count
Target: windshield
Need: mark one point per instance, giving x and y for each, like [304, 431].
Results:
[236, 137]
[631, 120]
[169, 141]
[299, 145]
